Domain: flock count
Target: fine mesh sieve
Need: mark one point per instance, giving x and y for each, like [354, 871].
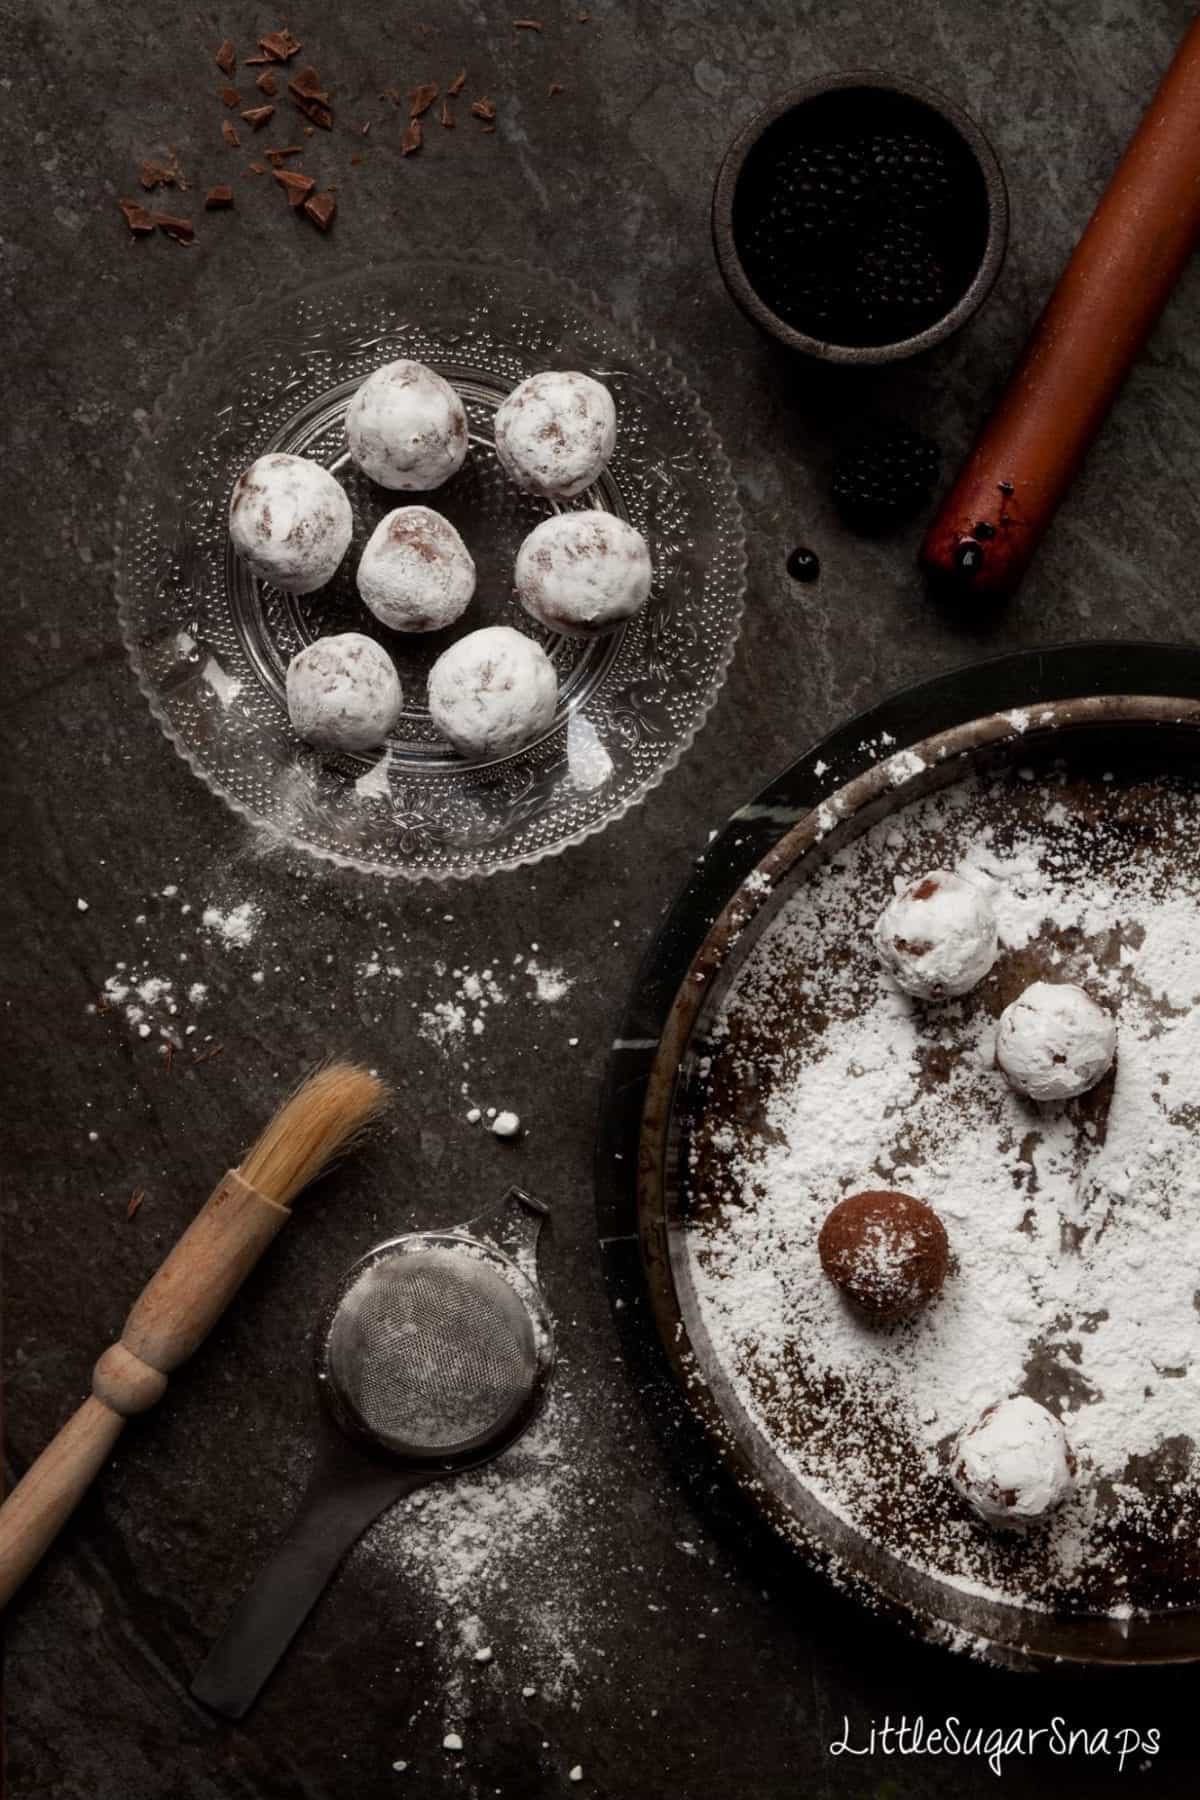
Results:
[430, 1352]
[432, 1355]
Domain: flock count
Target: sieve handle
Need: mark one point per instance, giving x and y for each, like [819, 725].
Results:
[346, 1493]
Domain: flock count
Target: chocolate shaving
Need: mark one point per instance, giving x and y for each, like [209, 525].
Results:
[275, 157]
[484, 109]
[217, 198]
[207, 1055]
[459, 83]
[135, 1200]
[447, 113]
[280, 46]
[226, 58]
[229, 133]
[421, 99]
[527, 24]
[182, 230]
[267, 84]
[308, 131]
[258, 168]
[355, 160]
[157, 175]
[412, 137]
[139, 222]
[253, 61]
[168, 1057]
[258, 116]
[321, 209]
[556, 87]
[296, 186]
[306, 90]
[307, 85]
[231, 97]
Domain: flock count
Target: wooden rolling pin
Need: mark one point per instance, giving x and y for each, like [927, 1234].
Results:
[1117, 282]
[182, 1302]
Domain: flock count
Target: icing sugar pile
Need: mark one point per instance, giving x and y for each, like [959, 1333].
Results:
[1075, 1228]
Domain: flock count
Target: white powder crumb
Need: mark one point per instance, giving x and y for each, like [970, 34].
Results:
[550, 985]
[527, 1693]
[198, 993]
[237, 926]
[93, 1137]
[443, 1022]
[484, 1655]
[170, 891]
[473, 1115]
[506, 1124]
[258, 976]
[452, 1741]
[572, 1042]
[225, 686]
[399, 1767]
[82, 905]
[820, 768]
[374, 785]
[575, 1774]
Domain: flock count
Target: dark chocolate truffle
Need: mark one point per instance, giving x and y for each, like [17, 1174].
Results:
[887, 1252]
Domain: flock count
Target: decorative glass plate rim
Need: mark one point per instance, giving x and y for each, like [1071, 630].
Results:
[228, 336]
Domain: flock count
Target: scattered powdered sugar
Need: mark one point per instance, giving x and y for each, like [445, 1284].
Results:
[464, 1012]
[1074, 1228]
[236, 926]
[550, 984]
[505, 1544]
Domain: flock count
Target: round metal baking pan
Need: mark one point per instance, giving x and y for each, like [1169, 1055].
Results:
[780, 839]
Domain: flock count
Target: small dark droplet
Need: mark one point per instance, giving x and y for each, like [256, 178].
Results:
[1006, 487]
[968, 557]
[803, 564]
[984, 530]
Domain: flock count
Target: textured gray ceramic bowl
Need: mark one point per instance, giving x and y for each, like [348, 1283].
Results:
[748, 159]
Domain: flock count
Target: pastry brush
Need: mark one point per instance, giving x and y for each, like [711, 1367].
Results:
[183, 1300]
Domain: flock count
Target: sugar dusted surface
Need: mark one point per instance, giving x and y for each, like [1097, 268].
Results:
[1074, 1228]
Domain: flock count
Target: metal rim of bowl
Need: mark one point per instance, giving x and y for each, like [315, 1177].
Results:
[859, 355]
[878, 1577]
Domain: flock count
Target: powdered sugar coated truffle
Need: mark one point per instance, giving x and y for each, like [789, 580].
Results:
[492, 691]
[416, 574]
[582, 573]
[406, 427]
[937, 937]
[343, 693]
[555, 432]
[290, 521]
[1014, 1464]
[1054, 1042]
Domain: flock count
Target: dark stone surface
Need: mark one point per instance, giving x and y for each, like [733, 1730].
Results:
[713, 1669]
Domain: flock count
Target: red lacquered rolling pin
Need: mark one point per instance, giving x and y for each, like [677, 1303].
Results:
[1114, 287]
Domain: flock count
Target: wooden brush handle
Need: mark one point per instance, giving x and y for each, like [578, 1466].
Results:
[1117, 282]
[44, 1499]
[174, 1313]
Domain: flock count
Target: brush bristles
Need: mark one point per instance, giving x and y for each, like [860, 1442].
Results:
[321, 1118]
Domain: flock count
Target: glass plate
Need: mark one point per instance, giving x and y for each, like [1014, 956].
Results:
[210, 644]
